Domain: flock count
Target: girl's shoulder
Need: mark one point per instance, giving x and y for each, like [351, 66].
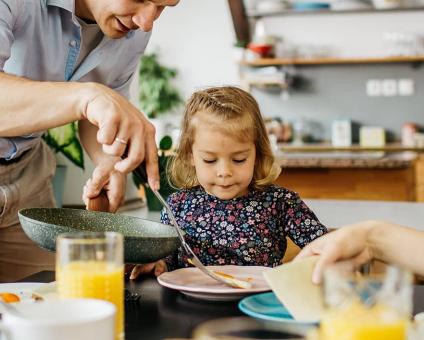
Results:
[185, 195]
[278, 192]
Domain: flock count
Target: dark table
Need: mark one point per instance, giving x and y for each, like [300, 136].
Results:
[164, 313]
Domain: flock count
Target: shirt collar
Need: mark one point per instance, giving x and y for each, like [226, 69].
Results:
[68, 5]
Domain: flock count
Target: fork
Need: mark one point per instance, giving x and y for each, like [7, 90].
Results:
[229, 280]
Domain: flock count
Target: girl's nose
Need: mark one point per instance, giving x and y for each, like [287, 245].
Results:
[223, 171]
[145, 16]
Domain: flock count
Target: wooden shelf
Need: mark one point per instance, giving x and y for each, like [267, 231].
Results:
[258, 15]
[332, 61]
[354, 148]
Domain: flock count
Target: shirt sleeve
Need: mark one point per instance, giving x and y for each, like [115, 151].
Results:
[8, 20]
[300, 223]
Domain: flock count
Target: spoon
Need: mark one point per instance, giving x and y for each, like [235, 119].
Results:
[229, 280]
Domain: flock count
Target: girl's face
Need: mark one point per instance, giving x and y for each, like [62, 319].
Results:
[224, 165]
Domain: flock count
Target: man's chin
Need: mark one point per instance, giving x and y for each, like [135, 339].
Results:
[114, 33]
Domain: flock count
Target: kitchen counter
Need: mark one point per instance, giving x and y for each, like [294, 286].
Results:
[346, 159]
[336, 213]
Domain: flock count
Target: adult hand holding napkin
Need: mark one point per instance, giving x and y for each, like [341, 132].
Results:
[292, 284]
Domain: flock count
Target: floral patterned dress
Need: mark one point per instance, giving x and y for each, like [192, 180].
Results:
[246, 231]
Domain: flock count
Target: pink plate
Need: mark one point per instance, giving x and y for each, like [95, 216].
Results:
[192, 282]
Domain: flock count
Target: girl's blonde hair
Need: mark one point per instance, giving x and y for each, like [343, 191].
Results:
[236, 113]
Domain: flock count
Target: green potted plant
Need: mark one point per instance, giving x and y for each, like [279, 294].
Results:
[166, 188]
[157, 95]
[64, 140]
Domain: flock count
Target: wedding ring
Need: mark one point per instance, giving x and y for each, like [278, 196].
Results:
[120, 140]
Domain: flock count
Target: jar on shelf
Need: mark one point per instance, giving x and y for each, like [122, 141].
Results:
[408, 134]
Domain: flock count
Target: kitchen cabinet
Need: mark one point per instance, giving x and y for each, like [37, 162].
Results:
[331, 61]
[386, 180]
[243, 22]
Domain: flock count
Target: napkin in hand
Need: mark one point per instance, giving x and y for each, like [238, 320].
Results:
[292, 283]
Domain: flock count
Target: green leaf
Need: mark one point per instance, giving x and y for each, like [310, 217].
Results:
[165, 143]
[64, 139]
[74, 153]
[156, 93]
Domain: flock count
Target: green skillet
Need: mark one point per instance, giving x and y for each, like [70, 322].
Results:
[144, 241]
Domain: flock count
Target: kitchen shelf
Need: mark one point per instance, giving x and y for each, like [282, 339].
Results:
[258, 15]
[332, 61]
[395, 147]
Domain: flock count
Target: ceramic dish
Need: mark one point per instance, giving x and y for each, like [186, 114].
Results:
[26, 292]
[267, 307]
[192, 282]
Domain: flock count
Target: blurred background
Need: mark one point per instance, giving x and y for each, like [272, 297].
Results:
[339, 82]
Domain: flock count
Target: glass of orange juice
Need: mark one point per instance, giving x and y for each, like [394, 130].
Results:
[366, 307]
[90, 265]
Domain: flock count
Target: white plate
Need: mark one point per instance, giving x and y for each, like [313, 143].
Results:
[30, 292]
[192, 282]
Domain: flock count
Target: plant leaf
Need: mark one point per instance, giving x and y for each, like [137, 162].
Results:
[165, 143]
[156, 93]
[64, 139]
[74, 153]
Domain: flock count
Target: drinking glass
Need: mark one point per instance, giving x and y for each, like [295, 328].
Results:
[90, 265]
[366, 307]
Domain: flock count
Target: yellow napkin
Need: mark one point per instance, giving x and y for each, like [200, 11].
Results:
[292, 284]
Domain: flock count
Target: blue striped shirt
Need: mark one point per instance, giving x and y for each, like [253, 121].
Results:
[41, 39]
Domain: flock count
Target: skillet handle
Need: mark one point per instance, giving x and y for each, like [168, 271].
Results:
[99, 203]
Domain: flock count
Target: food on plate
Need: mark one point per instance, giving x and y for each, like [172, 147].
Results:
[232, 281]
[239, 283]
[9, 297]
[21, 296]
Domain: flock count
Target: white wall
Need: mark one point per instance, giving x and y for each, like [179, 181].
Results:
[197, 36]
[350, 35]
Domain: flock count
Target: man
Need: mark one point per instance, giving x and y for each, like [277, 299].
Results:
[65, 61]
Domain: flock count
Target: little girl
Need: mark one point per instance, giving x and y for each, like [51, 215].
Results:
[227, 205]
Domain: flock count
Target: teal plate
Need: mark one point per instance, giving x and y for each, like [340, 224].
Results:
[266, 306]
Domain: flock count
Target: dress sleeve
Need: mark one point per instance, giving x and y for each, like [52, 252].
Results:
[8, 21]
[299, 222]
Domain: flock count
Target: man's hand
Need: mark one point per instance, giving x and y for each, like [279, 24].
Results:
[346, 243]
[123, 131]
[106, 178]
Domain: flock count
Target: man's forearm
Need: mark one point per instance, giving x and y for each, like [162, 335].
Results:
[399, 245]
[28, 106]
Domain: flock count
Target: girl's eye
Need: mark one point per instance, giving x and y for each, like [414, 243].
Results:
[209, 161]
[239, 160]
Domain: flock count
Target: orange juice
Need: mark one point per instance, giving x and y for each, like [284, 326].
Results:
[94, 279]
[357, 322]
